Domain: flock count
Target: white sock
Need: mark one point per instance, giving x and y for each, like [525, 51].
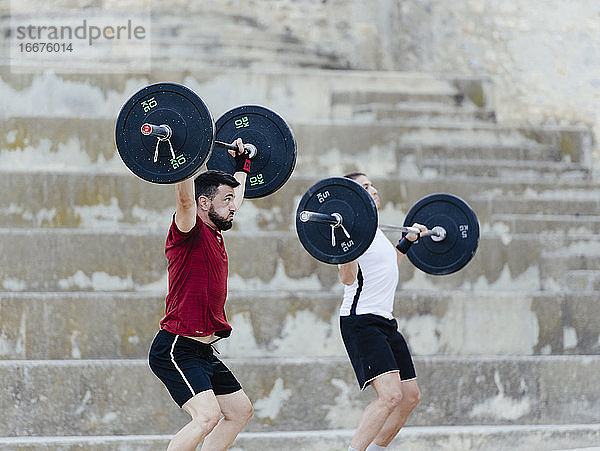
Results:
[374, 447]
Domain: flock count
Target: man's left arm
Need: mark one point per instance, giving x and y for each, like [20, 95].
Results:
[242, 169]
[239, 191]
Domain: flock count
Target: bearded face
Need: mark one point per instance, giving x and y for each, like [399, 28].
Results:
[220, 221]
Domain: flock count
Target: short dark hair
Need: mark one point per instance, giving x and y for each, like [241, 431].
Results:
[207, 183]
[354, 175]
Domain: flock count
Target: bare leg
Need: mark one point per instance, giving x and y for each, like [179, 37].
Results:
[410, 398]
[237, 411]
[205, 413]
[389, 396]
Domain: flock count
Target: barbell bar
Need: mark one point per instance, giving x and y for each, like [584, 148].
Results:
[336, 220]
[164, 132]
[437, 233]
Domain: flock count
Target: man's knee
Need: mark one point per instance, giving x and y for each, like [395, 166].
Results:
[249, 412]
[205, 422]
[412, 395]
[392, 398]
[244, 412]
[239, 411]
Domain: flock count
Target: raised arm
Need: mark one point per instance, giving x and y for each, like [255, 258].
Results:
[185, 213]
[239, 191]
[242, 168]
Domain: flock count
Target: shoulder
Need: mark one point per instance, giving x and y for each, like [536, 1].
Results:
[176, 236]
[380, 245]
[379, 241]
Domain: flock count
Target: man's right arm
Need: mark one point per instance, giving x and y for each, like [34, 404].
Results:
[185, 214]
[348, 272]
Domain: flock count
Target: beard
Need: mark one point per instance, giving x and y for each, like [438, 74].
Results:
[221, 222]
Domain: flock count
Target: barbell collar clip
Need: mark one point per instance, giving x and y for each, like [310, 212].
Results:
[439, 233]
[335, 220]
[162, 132]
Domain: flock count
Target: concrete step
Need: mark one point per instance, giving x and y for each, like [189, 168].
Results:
[391, 148]
[110, 201]
[560, 203]
[582, 280]
[450, 102]
[99, 394]
[298, 94]
[417, 112]
[550, 224]
[105, 201]
[133, 259]
[480, 152]
[35, 326]
[447, 95]
[281, 31]
[222, 38]
[266, 50]
[327, 149]
[514, 169]
[576, 261]
[566, 213]
[522, 438]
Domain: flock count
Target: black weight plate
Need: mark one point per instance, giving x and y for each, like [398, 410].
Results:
[190, 120]
[462, 234]
[275, 143]
[354, 203]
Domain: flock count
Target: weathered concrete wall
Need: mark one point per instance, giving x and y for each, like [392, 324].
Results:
[542, 55]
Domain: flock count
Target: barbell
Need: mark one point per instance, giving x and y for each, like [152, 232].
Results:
[165, 134]
[336, 221]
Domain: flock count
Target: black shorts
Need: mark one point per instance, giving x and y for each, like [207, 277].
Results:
[188, 367]
[375, 347]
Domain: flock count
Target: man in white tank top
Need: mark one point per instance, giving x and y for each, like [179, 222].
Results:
[377, 350]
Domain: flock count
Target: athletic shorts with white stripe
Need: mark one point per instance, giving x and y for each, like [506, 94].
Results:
[188, 367]
[376, 347]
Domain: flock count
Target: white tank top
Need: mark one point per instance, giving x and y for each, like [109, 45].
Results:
[375, 285]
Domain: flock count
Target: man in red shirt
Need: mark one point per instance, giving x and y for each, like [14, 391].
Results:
[181, 355]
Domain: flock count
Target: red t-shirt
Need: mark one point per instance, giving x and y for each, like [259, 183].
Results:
[197, 282]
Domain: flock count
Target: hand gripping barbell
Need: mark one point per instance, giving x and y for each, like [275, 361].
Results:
[336, 221]
[166, 134]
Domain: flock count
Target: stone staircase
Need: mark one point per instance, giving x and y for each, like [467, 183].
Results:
[507, 350]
